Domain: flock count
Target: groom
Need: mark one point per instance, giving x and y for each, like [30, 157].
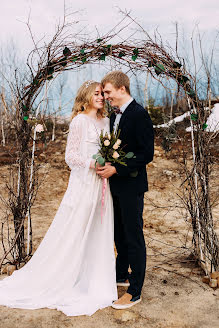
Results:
[128, 184]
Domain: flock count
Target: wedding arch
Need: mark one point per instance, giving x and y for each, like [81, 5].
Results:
[64, 53]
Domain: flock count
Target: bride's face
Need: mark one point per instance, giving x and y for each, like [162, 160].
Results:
[97, 100]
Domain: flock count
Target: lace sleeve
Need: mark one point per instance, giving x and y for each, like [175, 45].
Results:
[73, 154]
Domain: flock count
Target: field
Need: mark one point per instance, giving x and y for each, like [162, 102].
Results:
[173, 293]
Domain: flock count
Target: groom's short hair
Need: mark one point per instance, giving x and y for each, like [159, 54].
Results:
[118, 79]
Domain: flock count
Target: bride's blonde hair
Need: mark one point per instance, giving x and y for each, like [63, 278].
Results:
[83, 100]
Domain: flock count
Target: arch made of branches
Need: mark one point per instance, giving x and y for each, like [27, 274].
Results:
[62, 54]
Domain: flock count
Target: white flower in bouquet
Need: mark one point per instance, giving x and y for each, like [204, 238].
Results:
[106, 143]
[118, 142]
[115, 146]
[39, 128]
[115, 155]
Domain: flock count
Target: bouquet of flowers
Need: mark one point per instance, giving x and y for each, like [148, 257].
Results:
[110, 150]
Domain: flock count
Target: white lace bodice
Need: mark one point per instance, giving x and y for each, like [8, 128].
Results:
[83, 140]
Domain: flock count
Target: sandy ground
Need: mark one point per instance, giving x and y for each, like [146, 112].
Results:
[173, 293]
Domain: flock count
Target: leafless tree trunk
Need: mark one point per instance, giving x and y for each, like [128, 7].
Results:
[3, 111]
[61, 54]
[60, 90]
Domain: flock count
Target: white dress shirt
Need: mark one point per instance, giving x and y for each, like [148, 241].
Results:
[118, 116]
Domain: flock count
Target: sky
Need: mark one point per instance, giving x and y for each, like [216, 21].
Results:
[44, 14]
[99, 15]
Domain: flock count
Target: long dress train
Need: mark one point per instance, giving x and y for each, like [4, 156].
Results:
[73, 269]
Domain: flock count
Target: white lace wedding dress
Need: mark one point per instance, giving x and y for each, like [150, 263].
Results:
[73, 269]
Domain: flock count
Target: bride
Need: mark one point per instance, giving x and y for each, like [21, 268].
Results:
[73, 269]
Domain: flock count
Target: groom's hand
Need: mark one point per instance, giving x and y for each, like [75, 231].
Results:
[106, 171]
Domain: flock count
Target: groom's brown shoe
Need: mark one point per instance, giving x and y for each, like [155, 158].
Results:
[122, 282]
[126, 301]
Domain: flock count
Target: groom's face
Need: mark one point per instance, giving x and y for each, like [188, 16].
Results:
[113, 95]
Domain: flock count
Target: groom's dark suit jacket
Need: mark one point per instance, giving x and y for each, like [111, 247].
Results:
[137, 136]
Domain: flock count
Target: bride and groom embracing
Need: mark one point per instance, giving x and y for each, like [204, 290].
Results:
[74, 269]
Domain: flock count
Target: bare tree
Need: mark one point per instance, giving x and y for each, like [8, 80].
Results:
[3, 113]
[46, 62]
[59, 90]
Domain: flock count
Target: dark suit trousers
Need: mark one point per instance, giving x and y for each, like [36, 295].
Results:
[129, 239]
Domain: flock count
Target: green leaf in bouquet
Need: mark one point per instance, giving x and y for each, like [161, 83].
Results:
[120, 162]
[129, 155]
[94, 156]
[134, 174]
[117, 134]
[101, 160]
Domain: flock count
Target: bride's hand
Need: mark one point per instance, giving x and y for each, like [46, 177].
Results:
[92, 164]
[97, 166]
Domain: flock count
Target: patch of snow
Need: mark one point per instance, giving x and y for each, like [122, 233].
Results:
[213, 119]
[175, 120]
[212, 122]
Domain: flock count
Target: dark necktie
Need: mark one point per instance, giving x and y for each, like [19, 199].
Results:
[117, 110]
